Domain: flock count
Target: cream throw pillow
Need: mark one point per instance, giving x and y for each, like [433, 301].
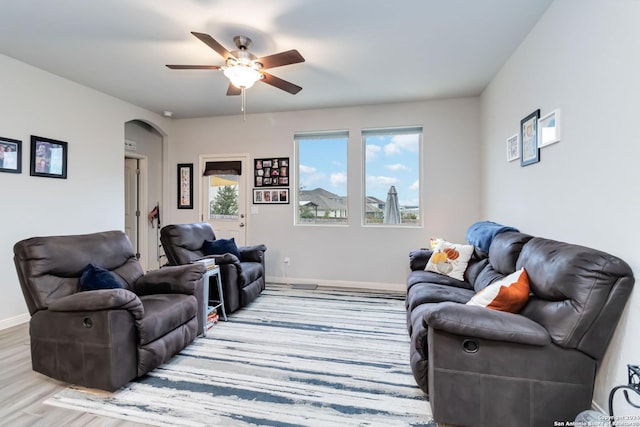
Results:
[450, 259]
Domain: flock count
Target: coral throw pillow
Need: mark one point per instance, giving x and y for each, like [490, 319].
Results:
[450, 259]
[508, 294]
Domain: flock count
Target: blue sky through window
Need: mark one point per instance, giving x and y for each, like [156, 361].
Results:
[390, 160]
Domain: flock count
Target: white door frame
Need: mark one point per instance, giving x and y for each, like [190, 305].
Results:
[143, 205]
[246, 165]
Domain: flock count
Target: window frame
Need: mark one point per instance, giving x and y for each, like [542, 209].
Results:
[319, 135]
[388, 131]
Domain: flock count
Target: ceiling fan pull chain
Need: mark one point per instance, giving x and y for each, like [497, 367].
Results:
[244, 112]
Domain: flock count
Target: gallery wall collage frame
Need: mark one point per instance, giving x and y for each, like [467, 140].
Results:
[271, 172]
[271, 180]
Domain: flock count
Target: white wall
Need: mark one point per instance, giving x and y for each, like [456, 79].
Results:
[91, 198]
[582, 57]
[352, 255]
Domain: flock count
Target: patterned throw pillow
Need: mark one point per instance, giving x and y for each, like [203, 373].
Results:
[510, 293]
[450, 259]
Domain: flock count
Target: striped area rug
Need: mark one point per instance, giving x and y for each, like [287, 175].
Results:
[293, 357]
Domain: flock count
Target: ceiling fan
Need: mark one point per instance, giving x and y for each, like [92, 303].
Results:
[243, 68]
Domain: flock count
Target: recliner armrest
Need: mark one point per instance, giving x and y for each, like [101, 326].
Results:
[480, 322]
[252, 253]
[102, 299]
[222, 259]
[179, 279]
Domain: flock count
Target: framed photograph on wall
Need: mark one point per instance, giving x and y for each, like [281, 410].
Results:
[270, 196]
[185, 186]
[271, 172]
[10, 155]
[513, 148]
[529, 151]
[48, 157]
[549, 129]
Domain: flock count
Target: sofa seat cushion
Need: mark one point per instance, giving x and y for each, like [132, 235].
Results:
[164, 313]
[420, 276]
[423, 293]
[250, 272]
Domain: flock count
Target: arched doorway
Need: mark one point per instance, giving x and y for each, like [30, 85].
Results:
[144, 189]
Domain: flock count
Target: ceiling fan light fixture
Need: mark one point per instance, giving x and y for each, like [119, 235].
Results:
[242, 75]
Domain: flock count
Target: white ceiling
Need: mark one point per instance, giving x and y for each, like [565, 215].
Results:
[357, 51]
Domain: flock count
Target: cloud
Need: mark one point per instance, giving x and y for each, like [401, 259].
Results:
[397, 167]
[306, 169]
[415, 185]
[400, 143]
[381, 181]
[310, 176]
[372, 151]
[338, 179]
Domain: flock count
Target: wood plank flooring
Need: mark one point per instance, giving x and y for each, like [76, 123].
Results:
[22, 390]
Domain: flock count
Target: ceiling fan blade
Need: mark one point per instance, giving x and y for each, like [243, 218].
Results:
[193, 67]
[213, 44]
[232, 90]
[279, 59]
[280, 84]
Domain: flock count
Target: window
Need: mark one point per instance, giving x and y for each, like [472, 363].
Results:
[392, 176]
[223, 197]
[322, 177]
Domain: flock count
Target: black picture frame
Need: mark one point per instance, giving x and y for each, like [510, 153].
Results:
[529, 150]
[10, 155]
[271, 172]
[48, 157]
[185, 185]
[271, 196]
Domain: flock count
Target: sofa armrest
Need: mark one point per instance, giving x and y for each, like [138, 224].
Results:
[253, 253]
[418, 258]
[481, 322]
[179, 279]
[102, 299]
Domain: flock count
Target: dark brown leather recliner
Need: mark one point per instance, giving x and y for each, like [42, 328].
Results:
[104, 338]
[243, 279]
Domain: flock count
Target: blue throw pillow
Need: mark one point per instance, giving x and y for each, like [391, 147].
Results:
[94, 277]
[220, 247]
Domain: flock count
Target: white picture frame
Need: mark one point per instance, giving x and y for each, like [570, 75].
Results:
[549, 129]
[513, 148]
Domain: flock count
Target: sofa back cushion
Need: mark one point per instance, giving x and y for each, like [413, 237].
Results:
[503, 254]
[182, 243]
[578, 292]
[50, 267]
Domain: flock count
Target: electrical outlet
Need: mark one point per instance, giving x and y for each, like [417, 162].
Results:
[287, 260]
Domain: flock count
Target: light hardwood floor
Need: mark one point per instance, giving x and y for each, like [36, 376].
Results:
[22, 390]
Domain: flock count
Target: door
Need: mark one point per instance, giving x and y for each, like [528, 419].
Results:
[224, 196]
[131, 198]
[135, 208]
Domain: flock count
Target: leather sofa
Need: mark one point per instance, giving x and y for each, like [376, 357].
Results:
[481, 367]
[243, 277]
[104, 338]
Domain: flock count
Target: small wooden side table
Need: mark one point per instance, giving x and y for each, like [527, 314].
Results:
[215, 271]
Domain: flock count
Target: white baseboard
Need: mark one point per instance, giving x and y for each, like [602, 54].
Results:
[395, 287]
[14, 321]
